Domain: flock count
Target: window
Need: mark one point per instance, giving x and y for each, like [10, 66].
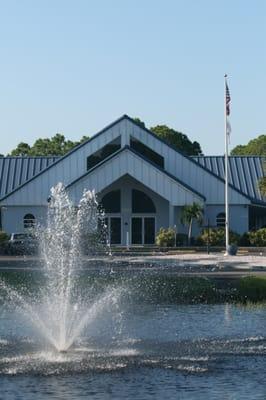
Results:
[103, 153]
[220, 219]
[145, 151]
[111, 202]
[142, 203]
[29, 221]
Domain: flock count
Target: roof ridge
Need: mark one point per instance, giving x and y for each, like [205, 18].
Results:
[145, 159]
[125, 116]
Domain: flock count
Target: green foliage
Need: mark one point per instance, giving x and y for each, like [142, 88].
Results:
[262, 186]
[252, 288]
[258, 238]
[216, 237]
[56, 146]
[22, 149]
[3, 237]
[194, 211]
[177, 139]
[255, 147]
[189, 214]
[140, 123]
[165, 237]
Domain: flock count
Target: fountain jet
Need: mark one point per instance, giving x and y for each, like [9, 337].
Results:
[60, 311]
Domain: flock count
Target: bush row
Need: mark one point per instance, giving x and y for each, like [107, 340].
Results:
[213, 237]
[167, 237]
[216, 237]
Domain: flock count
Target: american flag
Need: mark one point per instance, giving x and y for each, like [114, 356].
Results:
[227, 99]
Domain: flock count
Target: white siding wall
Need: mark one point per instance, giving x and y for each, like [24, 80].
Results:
[188, 171]
[13, 217]
[238, 217]
[37, 191]
[131, 164]
[66, 170]
[74, 165]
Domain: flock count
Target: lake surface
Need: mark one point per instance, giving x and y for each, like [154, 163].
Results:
[141, 350]
[148, 352]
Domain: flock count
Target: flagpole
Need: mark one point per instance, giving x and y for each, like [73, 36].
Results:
[226, 171]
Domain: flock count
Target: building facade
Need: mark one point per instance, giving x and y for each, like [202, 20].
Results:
[141, 181]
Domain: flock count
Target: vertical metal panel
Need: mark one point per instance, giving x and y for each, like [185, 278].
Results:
[14, 171]
[244, 171]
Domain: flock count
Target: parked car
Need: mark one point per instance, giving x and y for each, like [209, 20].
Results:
[22, 243]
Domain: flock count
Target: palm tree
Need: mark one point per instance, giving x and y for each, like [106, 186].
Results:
[189, 214]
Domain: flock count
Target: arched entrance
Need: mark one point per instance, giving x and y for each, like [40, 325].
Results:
[130, 216]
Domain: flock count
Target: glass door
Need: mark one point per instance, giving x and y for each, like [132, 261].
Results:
[143, 230]
[113, 229]
[149, 230]
[136, 230]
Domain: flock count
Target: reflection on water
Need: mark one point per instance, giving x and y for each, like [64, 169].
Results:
[159, 351]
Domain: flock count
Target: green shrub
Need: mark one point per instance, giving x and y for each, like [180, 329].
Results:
[258, 238]
[216, 237]
[165, 237]
[3, 237]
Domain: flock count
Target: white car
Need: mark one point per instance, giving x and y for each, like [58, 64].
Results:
[22, 243]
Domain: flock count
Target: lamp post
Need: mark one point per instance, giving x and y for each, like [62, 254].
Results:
[208, 236]
[207, 226]
[175, 228]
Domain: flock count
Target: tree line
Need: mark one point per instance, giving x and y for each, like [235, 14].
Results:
[58, 145]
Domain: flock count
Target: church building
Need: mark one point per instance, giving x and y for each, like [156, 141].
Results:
[142, 182]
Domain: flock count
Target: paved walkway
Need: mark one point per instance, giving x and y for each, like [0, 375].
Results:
[214, 264]
[188, 263]
[218, 260]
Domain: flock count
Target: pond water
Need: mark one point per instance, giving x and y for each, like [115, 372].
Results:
[141, 351]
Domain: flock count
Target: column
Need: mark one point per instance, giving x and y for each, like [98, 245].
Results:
[171, 215]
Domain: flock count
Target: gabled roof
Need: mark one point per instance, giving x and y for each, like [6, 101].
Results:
[15, 171]
[163, 171]
[34, 166]
[8, 185]
[244, 172]
[123, 162]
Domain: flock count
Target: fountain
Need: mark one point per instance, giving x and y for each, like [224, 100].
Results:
[59, 311]
[127, 334]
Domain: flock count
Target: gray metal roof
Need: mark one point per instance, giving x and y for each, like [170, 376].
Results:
[14, 171]
[244, 171]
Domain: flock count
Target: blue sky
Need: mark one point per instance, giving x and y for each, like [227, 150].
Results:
[75, 66]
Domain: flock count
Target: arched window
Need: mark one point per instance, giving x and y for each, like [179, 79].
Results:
[220, 219]
[142, 203]
[111, 202]
[29, 221]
